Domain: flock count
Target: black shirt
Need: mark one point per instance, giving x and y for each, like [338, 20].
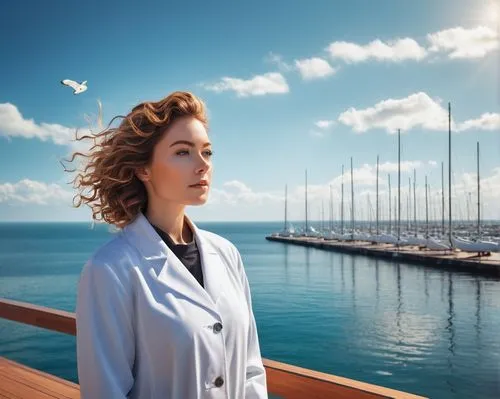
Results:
[188, 254]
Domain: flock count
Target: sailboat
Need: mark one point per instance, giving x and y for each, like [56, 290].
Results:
[415, 238]
[479, 246]
[389, 238]
[288, 229]
[342, 236]
[330, 233]
[430, 242]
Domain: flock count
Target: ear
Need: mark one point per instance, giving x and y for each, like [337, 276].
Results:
[143, 174]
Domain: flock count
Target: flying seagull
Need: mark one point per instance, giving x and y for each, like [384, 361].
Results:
[77, 87]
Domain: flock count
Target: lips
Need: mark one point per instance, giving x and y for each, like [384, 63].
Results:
[201, 183]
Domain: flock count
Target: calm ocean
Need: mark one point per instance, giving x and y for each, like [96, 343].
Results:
[421, 330]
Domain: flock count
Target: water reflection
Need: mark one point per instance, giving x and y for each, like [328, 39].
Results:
[442, 286]
[400, 324]
[332, 264]
[478, 312]
[426, 285]
[342, 278]
[286, 254]
[353, 275]
[451, 315]
[451, 332]
[400, 300]
[416, 329]
[308, 263]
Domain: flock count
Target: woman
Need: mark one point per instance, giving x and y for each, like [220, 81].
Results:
[164, 308]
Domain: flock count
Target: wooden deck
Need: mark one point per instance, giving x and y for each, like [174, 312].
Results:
[21, 382]
[290, 382]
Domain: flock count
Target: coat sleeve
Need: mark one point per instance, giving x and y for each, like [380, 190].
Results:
[105, 338]
[256, 384]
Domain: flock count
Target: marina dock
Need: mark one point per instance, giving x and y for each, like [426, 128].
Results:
[451, 260]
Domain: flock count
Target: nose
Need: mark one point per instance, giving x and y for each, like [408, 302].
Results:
[203, 165]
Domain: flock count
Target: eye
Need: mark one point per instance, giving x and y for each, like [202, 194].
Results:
[208, 153]
[182, 152]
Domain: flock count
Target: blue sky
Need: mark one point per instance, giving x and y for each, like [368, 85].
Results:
[287, 87]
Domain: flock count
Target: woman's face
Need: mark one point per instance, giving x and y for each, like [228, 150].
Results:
[181, 167]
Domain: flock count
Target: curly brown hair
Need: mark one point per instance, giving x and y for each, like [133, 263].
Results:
[115, 193]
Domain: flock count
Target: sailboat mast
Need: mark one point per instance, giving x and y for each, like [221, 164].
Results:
[322, 215]
[306, 205]
[478, 196]
[409, 204]
[286, 200]
[415, 200]
[369, 211]
[352, 203]
[399, 184]
[395, 213]
[426, 211]
[449, 171]
[442, 198]
[342, 205]
[331, 209]
[468, 208]
[377, 229]
[390, 200]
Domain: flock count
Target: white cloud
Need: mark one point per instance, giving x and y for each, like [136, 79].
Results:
[324, 124]
[314, 68]
[487, 121]
[238, 186]
[364, 175]
[432, 163]
[406, 166]
[456, 43]
[367, 173]
[259, 85]
[394, 50]
[364, 178]
[460, 42]
[277, 59]
[416, 110]
[309, 68]
[237, 201]
[13, 124]
[238, 193]
[490, 194]
[28, 191]
[491, 186]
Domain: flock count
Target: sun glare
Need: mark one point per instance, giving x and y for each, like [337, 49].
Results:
[490, 13]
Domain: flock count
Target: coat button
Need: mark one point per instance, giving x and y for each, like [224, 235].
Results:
[219, 381]
[217, 327]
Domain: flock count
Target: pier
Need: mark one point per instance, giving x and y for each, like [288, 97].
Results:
[459, 261]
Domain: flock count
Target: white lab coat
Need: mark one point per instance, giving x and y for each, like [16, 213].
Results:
[145, 326]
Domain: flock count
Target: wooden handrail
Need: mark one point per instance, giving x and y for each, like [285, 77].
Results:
[39, 316]
[285, 380]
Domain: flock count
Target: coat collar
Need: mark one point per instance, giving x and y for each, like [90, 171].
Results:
[169, 270]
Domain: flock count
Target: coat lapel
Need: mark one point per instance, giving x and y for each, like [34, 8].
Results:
[214, 271]
[169, 270]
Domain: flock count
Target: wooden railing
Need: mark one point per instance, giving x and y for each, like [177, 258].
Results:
[284, 380]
